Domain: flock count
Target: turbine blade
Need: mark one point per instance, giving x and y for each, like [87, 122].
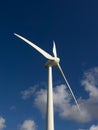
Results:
[44, 53]
[54, 49]
[68, 86]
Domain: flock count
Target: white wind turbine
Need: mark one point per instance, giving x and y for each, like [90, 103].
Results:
[52, 61]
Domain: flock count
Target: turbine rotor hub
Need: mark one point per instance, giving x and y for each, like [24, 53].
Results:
[57, 60]
[52, 62]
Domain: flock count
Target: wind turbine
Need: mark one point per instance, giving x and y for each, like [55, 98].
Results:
[52, 61]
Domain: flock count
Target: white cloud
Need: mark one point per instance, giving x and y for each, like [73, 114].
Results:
[28, 92]
[41, 99]
[90, 82]
[2, 123]
[63, 101]
[94, 127]
[28, 125]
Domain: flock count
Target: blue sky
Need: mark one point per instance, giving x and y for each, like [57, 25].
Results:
[23, 79]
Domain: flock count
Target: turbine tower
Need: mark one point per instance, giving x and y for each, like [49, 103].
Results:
[52, 61]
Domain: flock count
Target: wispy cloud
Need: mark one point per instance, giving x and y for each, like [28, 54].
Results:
[28, 92]
[12, 107]
[2, 123]
[28, 125]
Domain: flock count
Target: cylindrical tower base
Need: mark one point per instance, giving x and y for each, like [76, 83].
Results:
[50, 111]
